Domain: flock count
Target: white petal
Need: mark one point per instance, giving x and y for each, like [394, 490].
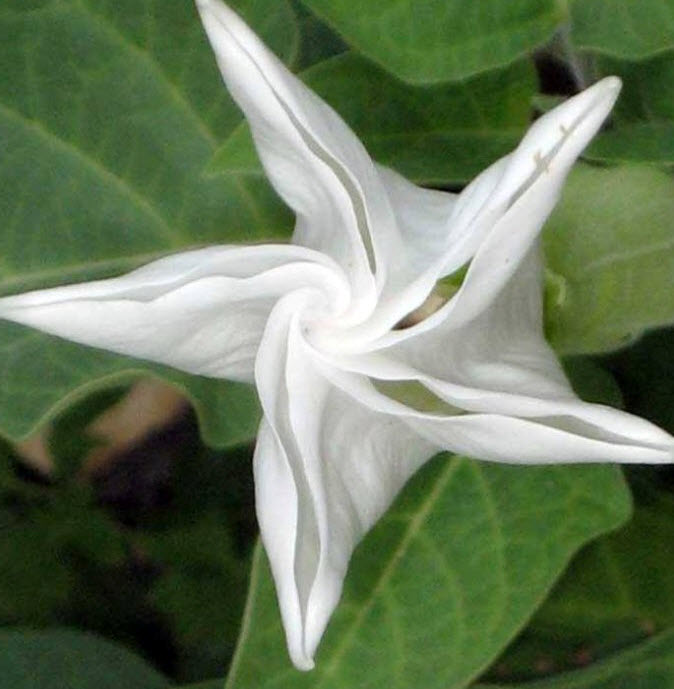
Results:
[312, 158]
[501, 350]
[200, 311]
[523, 441]
[333, 468]
[423, 218]
[366, 458]
[606, 435]
[499, 216]
[287, 518]
[276, 500]
[499, 363]
[528, 191]
[426, 247]
[440, 232]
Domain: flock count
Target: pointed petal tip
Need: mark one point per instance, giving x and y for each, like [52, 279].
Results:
[202, 6]
[607, 89]
[591, 106]
[214, 10]
[611, 83]
[304, 663]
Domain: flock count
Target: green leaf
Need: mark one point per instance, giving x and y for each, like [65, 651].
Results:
[43, 375]
[42, 529]
[623, 28]
[617, 591]
[201, 591]
[62, 659]
[621, 585]
[318, 42]
[649, 665]
[591, 382]
[426, 41]
[440, 134]
[610, 246]
[108, 113]
[646, 142]
[644, 96]
[643, 118]
[619, 588]
[444, 580]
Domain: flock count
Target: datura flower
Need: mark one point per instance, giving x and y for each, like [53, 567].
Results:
[360, 381]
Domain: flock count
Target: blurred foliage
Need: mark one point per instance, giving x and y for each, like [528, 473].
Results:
[440, 605]
[609, 249]
[152, 551]
[64, 659]
[625, 29]
[647, 665]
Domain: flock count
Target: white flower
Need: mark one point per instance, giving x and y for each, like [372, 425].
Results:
[314, 324]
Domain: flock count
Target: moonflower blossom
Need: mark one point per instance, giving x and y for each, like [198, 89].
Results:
[359, 381]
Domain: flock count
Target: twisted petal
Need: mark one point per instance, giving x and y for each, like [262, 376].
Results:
[202, 311]
[528, 191]
[319, 167]
[498, 218]
[326, 468]
[499, 364]
[567, 431]
[312, 158]
[333, 449]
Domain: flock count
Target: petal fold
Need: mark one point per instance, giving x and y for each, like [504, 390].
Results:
[201, 311]
[496, 220]
[343, 202]
[572, 432]
[332, 469]
[527, 192]
[318, 325]
[315, 162]
[499, 364]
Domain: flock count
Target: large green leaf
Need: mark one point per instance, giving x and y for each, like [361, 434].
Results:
[610, 250]
[63, 659]
[643, 119]
[616, 592]
[426, 41]
[440, 134]
[647, 142]
[43, 375]
[649, 665]
[646, 88]
[619, 588]
[108, 113]
[623, 28]
[318, 41]
[444, 580]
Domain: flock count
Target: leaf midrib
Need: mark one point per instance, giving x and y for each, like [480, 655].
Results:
[611, 259]
[24, 280]
[38, 130]
[414, 527]
[146, 57]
